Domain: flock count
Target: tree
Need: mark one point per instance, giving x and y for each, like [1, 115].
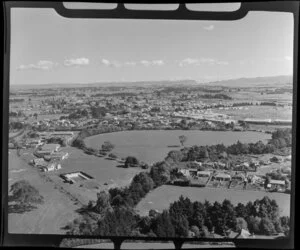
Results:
[107, 146]
[131, 161]
[118, 222]
[254, 224]
[145, 180]
[241, 224]
[182, 139]
[160, 174]
[266, 226]
[241, 210]
[163, 226]
[102, 204]
[181, 224]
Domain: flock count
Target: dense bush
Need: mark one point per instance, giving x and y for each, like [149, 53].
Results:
[24, 193]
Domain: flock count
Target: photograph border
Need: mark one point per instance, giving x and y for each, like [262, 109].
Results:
[182, 13]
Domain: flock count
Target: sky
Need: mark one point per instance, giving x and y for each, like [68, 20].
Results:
[48, 48]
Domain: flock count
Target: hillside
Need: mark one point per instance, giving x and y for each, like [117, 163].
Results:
[257, 81]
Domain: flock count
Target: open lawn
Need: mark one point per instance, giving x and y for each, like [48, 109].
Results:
[101, 169]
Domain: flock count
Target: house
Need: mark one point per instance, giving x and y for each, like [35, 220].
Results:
[50, 167]
[276, 184]
[203, 174]
[222, 177]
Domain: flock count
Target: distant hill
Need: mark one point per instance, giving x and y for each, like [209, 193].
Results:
[105, 84]
[257, 81]
[240, 82]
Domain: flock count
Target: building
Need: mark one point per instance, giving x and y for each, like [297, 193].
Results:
[277, 184]
[222, 177]
[50, 167]
[203, 174]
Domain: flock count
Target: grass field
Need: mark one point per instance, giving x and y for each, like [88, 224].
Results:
[161, 197]
[152, 146]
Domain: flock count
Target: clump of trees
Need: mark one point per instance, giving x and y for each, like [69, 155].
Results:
[281, 139]
[131, 161]
[24, 197]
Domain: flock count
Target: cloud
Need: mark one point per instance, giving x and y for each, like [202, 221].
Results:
[209, 27]
[108, 63]
[200, 61]
[152, 63]
[77, 62]
[40, 65]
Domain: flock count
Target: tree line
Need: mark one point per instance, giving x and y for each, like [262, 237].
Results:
[183, 218]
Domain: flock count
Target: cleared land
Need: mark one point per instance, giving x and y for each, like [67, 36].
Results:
[161, 197]
[153, 146]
